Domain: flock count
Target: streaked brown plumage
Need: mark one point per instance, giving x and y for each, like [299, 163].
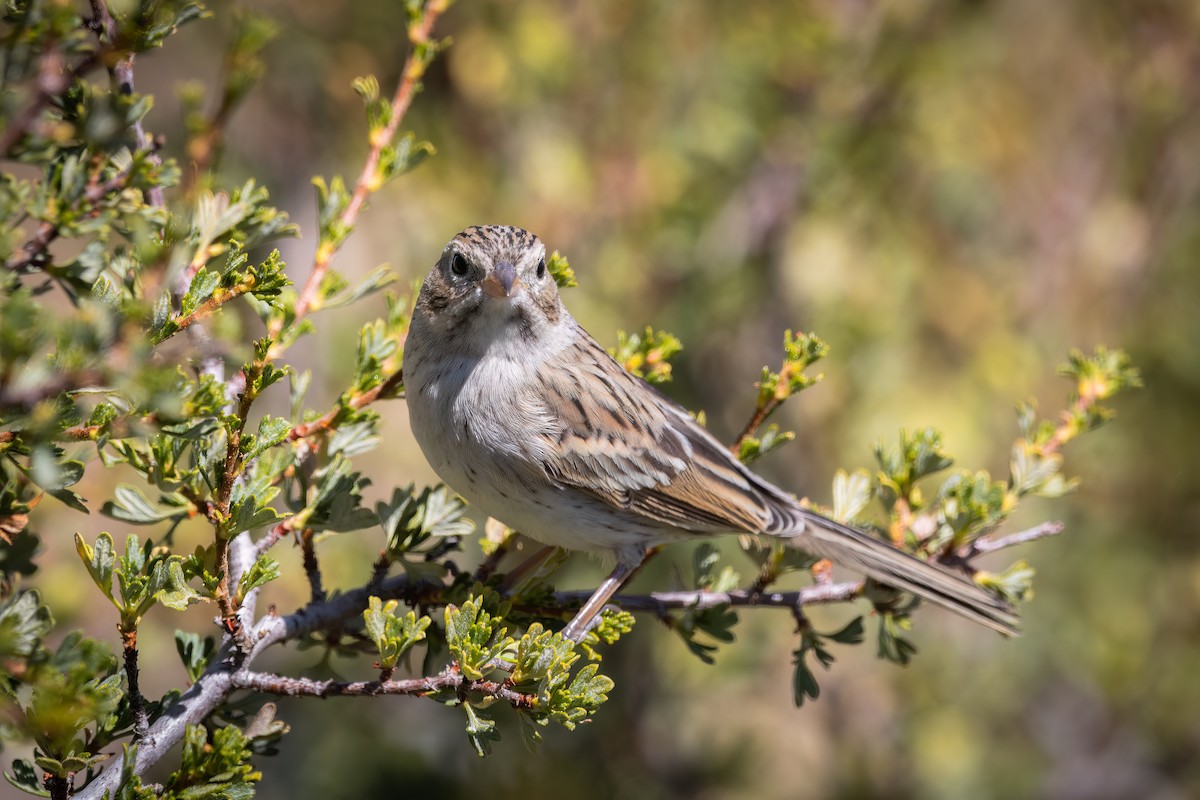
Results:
[519, 410]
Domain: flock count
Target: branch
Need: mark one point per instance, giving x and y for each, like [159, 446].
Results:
[137, 703]
[328, 422]
[216, 684]
[988, 544]
[272, 537]
[222, 677]
[218, 299]
[221, 503]
[449, 680]
[660, 602]
[312, 568]
[756, 420]
[368, 179]
[243, 552]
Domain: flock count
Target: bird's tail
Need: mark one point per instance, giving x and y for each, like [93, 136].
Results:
[856, 550]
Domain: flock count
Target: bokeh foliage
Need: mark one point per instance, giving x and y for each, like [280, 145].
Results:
[901, 178]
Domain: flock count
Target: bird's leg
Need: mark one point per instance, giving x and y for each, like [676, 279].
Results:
[578, 627]
[584, 621]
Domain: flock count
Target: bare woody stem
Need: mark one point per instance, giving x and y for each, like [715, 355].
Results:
[447, 681]
[989, 544]
[137, 703]
[368, 178]
[660, 602]
[312, 569]
[756, 420]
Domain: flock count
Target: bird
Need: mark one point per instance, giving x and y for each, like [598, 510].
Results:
[526, 416]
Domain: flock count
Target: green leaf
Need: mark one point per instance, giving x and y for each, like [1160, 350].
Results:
[24, 620]
[918, 455]
[337, 503]
[753, 448]
[130, 505]
[271, 431]
[475, 638]
[392, 635]
[481, 731]
[199, 291]
[892, 644]
[99, 561]
[169, 585]
[852, 633]
[250, 504]
[353, 438]
[25, 777]
[539, 652]
[402, 156]
[264, 570]
[1015, 584]
[571, 703]
[804, 682]
[411, 521]
[195, 651]
[216, 767]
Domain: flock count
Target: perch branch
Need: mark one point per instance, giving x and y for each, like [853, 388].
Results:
[448, 680]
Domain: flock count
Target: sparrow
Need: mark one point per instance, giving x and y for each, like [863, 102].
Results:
[518, 409]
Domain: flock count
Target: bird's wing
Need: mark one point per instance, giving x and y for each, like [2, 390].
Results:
[615, 437]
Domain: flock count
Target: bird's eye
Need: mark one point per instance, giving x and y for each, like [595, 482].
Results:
[542, 268]
[459, 265]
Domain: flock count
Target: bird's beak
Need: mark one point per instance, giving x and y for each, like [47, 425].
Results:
[502, 280]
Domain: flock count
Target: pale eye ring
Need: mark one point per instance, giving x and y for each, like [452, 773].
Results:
[459, 265]
[541, 270]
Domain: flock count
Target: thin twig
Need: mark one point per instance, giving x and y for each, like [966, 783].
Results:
[58, 787]
[207, 307]
[368, 181]
[989, 544]
[312, 569]
[756, 419]
[358, 402]
[272, 537]
[446, 681]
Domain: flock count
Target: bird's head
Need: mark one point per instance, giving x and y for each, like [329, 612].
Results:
[491, 282]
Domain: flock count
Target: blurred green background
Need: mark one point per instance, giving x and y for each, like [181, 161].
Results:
[952, 194]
